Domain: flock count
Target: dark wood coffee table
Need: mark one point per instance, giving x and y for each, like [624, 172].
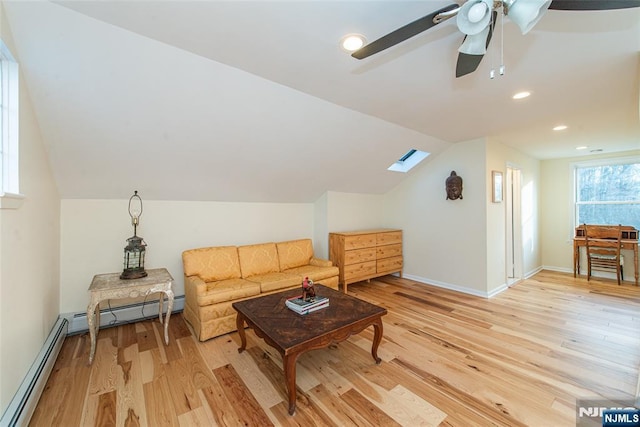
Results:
[293, 334]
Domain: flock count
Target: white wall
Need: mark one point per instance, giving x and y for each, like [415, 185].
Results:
[556, 218]
[321, 227]
[94, 234]
[29, 254]
[444, 240]
[351, 211]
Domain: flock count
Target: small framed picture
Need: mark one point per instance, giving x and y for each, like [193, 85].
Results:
[496, 179]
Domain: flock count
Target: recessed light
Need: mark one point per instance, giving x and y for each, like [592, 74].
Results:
[352, 42]
[560, 127]
[583, 147]
[521, 95]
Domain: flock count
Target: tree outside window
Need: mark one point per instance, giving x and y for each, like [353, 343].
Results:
[608, 193]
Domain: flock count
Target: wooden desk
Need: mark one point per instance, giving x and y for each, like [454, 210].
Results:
[629, 241]
[110, 286]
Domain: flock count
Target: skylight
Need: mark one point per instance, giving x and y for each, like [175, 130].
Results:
[408, 160]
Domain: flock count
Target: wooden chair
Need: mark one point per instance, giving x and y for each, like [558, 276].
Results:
[603, 248]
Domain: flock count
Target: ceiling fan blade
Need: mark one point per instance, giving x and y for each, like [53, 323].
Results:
[593, 4]
[467, 64]
[401, 34]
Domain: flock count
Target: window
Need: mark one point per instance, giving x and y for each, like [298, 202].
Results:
[408, 160]
[608, 192]
[9, 85]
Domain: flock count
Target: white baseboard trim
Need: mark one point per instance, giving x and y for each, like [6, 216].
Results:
[121, 314]
[558, 269]
[24, 402]
[456, 288]
[533, 272]
[628, 277]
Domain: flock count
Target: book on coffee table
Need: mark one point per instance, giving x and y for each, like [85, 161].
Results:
[309, 310]
[301, 306]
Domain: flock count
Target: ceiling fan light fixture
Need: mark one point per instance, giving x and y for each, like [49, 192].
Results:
[474, 16]
[526, 13]
[352, 42]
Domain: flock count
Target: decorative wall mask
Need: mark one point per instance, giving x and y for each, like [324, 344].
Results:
[454, 186]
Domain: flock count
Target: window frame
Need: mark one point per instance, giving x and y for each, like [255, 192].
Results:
[10, 197]
[593, 163]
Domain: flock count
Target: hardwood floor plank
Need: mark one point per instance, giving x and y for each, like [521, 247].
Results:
[370, 412]
[159, 404]
[200, 375]
[107, 407]
[104, 372]
[341, 414]
[146, 338]
[240, 397]
[183, 392]
[196, 418]
[522, 357]
[222, 409]
[131, 409]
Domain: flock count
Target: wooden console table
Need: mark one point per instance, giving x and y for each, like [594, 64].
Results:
[110, 286]
[629, 241]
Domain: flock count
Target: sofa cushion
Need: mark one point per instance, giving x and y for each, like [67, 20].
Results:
[211, 264]
[294, 253]
[227, 290]
[275, 281]
[258, 259]
[313, 272]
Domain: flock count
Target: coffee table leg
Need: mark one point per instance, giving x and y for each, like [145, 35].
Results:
[377, 338]
[289, 362]
[243, 337]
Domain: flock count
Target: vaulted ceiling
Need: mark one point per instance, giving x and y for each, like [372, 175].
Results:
[256, 101]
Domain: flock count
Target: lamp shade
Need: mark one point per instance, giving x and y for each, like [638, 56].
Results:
[475, 44]
[527, 13]
[474, 16]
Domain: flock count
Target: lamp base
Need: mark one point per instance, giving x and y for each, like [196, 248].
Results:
[134, 273]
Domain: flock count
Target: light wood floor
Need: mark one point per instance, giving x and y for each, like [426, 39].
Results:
[522, 357]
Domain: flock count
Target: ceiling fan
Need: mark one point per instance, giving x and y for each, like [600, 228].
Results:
[476, 20]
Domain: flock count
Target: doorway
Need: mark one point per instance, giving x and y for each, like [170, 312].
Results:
[514, 225]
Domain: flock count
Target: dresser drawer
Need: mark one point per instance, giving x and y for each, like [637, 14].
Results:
[359, 270]
[389, 265]
[359, 241]
[389, 238]
[359, 255]
[389, 251]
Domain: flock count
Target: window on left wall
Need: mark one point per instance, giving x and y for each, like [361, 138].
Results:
[9, 115]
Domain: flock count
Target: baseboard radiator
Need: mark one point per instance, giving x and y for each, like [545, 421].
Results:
[120, 315]
[21, 408]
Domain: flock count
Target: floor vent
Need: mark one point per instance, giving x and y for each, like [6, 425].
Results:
[21, 408]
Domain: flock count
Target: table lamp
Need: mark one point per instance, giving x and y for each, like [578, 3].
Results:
[135, 249]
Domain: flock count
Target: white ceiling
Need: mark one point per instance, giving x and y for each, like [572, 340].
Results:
[255, 100]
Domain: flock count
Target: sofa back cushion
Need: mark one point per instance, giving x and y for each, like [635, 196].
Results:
[258, 259]
[294, 253]
[211, 264]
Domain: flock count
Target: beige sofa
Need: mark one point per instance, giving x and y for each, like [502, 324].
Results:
[215, 277]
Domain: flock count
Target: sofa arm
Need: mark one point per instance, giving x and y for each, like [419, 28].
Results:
[193, 286]
[318, 262]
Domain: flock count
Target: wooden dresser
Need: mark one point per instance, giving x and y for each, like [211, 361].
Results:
[362, 255]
